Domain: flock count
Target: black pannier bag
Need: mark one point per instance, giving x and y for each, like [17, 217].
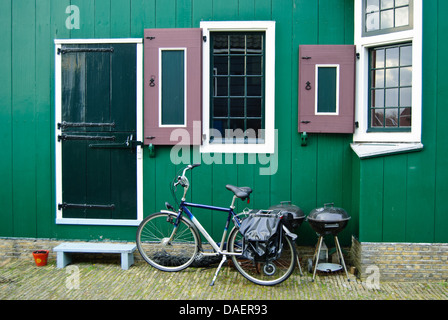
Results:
[262, 236]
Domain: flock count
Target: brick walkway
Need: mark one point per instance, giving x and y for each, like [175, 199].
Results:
[22, 280]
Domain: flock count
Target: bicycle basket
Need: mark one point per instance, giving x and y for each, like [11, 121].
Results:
[262, 236]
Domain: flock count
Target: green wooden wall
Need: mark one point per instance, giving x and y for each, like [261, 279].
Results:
[398, 198]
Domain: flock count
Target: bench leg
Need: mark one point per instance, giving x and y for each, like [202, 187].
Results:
[127, 260]
[63, 259]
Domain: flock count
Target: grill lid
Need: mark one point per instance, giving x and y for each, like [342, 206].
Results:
[328, 213]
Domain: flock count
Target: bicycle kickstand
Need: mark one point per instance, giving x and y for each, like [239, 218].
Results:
[224, 258]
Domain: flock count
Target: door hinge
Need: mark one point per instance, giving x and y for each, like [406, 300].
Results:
[85, 206]
[76, 50]
[65, 137]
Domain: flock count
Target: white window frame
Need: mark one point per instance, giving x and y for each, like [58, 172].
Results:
[268, 146]
[139, 129]
[184, 125]
[401, 140]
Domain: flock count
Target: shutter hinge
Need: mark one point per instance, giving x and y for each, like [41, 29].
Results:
[150, 38]
[204, 38]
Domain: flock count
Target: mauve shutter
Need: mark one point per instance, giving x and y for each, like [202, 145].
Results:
[327, 88]
[173, 92]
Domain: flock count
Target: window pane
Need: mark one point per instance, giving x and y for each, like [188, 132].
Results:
[254, 43]
[377, 99]
[254, 86]
[401, 3]
[254, 124]
[406, 76]
[373, 21]
[405, 117]
[387, 19]
[253, 107]
[392, 57]
[220, 108]
[237, 86]
[220, 65]
[392, 98]
[220, 44]
[237, 43]
[378, 59]
[372, 5]
[221, 86]
[391, 117]
[392, 77]
[387, 4]
[237, 65]
[402, 17]
[406, 56]
[377, 117]
[378, 78]
[254, 65]
[237, 107]
[405, 97]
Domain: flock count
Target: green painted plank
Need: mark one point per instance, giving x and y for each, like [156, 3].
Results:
[202, 10]
[371, 200]
[6, 160]
[263, 9]
[225, 10]
[436, 88]
[24, 118]
[281, 181]
[166, 14]
[394, 206]
[246, 10]
[44, 169]
[142, 16]
[331, 26]
[120, 17]
[184, 14]
[86, 18]
[102, 19]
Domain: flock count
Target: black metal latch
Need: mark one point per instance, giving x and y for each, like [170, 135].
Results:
[85, 206]
[130, 143]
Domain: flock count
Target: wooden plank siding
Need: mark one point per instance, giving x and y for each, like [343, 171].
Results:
[393, 198]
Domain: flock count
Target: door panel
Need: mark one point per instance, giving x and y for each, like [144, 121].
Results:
[98, 130]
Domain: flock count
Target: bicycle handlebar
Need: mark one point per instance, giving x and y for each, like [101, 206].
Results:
[182, 180]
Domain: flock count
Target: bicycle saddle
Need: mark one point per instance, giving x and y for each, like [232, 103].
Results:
[240, 192]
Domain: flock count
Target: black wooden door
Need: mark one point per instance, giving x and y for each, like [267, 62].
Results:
[98, 131]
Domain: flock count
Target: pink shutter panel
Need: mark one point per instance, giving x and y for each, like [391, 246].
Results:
[342, 57]
[189, 40]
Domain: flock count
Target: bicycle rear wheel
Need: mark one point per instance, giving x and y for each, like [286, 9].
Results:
[262, 273]
[155, 246]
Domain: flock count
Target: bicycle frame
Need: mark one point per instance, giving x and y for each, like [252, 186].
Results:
[231, 216]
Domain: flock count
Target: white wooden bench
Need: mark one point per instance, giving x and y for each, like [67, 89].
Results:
[64, 251]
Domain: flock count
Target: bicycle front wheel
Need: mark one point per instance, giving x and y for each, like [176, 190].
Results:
[263, 273]
[164, 246]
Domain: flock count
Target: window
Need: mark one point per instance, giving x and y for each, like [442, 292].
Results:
[238, 86]
[382, 16]
[391, 88]
[237, 97]
[388, 107]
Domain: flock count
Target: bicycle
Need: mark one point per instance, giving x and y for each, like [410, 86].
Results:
[170, 241]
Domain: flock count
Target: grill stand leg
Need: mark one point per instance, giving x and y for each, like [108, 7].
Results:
[338, 248]
[317, 256]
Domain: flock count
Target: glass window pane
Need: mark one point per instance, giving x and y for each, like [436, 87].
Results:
[253, 107]
[220, 108]
[406, 56]
[221, 87]
[391, 117]
[406, 76]
[377, 118]
[254, 86]
[406, 97]
[392, 57]
[378, 78]
[254, 43]
[372, 5]
[387, 19]
[327, 85]
[237, 107]
[254, 124]
[373, 21]
[378, 59]
[237, 65]
[254, 65]
[237, 43]
[220, 44]
[401, 3]
[237, 86]
[392, 77]
[377, 98]
[220, 65]
[387, 4]
[391, 97]
[405, 117]
[402, 17]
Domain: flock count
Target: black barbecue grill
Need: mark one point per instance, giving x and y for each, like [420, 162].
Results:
[325, 221]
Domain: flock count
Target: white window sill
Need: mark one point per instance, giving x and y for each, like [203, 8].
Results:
[370, 150]
[98, 222]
